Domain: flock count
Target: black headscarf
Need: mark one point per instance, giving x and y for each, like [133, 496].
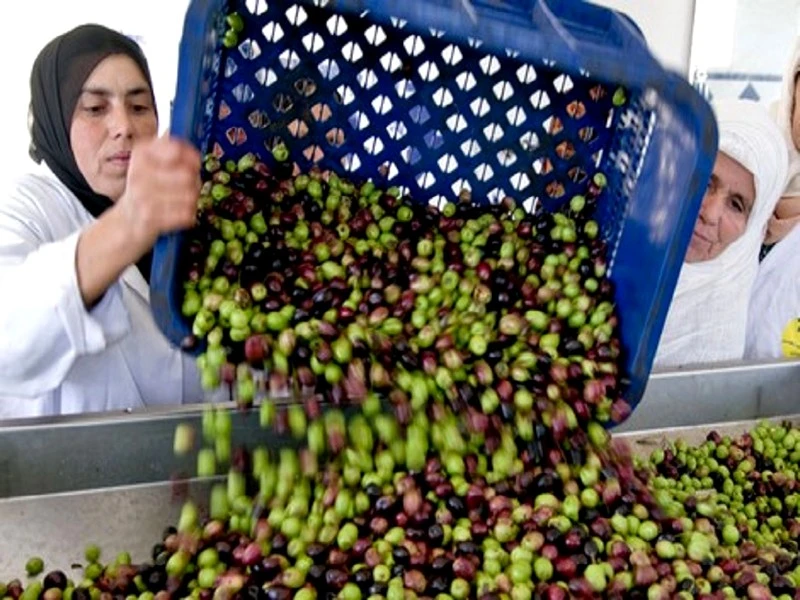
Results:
[57, 78]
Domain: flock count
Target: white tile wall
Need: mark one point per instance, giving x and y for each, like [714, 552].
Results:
[756, 38]
[157, 23]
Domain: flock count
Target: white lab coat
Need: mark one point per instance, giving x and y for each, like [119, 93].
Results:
[775, 301]
[55, 356]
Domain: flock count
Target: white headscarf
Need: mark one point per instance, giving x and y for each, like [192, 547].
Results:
[787, 213]
[707, 319]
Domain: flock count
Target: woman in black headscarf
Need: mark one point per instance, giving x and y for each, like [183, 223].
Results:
[76, 331]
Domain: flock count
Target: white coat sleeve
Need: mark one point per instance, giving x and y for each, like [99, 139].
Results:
[44, 325]
[775, 302]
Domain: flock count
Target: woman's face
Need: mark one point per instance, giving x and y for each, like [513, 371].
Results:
[726, 207]
[114, 111]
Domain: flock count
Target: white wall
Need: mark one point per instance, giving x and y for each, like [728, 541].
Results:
[667, 27]
[741, 47]
[158, 23]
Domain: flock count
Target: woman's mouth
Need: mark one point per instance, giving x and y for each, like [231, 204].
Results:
[699, 236]
[120, 158]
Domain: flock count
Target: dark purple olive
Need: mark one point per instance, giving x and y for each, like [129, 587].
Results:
[317, 552]
[385, 505]
[466, 549]
[336, 579]
[224, 551]
[270, 568]
[464, 568]
[279, 592]
[782, 585]
[316, 574]
[548, 482]
[55, 579]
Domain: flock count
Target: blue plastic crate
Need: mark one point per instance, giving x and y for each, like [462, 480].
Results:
[498, 97]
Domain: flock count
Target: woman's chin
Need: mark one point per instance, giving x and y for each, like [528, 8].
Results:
[113, 188]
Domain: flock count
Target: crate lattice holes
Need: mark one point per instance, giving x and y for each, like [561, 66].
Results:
[378, 101]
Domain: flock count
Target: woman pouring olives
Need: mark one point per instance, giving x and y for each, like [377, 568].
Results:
[76, 332]
[707, 319]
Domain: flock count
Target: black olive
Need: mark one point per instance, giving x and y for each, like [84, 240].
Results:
[441, 563]
[55, 579]
[435, 535]
[398, 570]
[161, 559]
[467, 549]
[156, 579]
[279, 592]
[317, 552]
[279, 543]
[378, 589]
[456, 506]
[316, 573]
[157, 550]
[363, 578]
[400, 555]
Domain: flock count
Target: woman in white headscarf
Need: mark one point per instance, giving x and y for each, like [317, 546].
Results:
[787, 211]
[773, 329]
[707, 319]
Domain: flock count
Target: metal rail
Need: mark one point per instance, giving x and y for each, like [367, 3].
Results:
[55, 455]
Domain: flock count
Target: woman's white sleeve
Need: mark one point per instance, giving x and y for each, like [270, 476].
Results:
[44, 325]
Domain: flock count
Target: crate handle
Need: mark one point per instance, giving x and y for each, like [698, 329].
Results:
[548, 17]
[379, 7]
[543, 17]
[467, 7]
[545, 14]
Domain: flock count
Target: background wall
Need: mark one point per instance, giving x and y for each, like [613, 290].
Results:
[667, 27]
[740, 48]
[158, 24]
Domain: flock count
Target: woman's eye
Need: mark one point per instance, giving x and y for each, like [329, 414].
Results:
[140, 108]
[94, 109]
[737, 204]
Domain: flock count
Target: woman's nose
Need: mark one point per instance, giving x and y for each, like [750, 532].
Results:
[121, 123]
[711, 209]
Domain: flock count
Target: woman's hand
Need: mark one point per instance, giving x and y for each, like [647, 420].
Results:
[161, 192]
[163, 184]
